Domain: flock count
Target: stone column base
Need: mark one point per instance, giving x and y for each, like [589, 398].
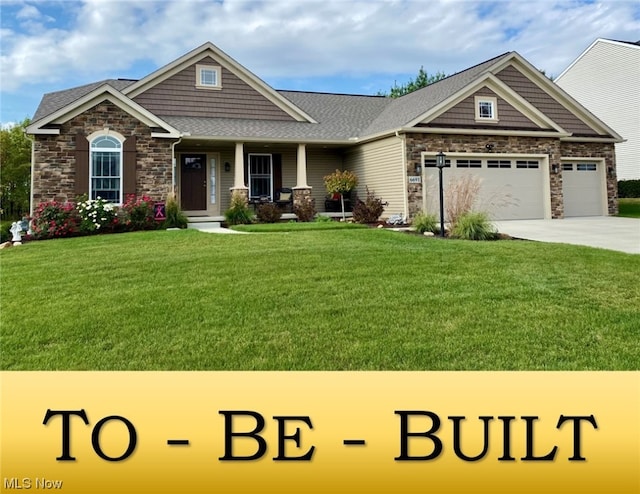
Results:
[301, 195]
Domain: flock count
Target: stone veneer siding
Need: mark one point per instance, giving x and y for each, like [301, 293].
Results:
[452, 143]
[54, 155]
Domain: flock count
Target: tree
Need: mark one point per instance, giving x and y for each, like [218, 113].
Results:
[423, 79]
[340, 182]
[15, 171]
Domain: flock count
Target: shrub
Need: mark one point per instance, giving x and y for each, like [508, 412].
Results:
[95, 215]
[268, 213]
[55, 219]
[305, 210]
[238, 212]
[175, 217]
[628, 188]
[369, 210]
[474, 226]
[139, 213]
[425, 223]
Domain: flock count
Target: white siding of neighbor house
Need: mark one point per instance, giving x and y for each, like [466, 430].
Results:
[379, 166]
[606, 80]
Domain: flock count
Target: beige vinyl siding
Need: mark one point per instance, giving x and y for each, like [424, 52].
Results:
[605, 80]
[463, 115]
[178, 96]
[321, 162]
[379, 167]
[543, 102]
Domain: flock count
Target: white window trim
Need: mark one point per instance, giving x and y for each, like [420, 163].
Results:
[118, 137]
[494, 107]
[214, 68]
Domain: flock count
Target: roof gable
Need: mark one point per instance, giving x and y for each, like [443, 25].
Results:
[104, 92]
[209, 50]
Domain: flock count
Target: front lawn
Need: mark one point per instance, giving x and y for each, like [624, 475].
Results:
[316, 300]
[629, 208]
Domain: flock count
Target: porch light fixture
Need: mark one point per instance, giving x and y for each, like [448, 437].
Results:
[440, 163]
[418, 168]
[611, 171]
[555, 168]
[227, 166]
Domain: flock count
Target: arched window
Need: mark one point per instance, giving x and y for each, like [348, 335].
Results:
[105, 169]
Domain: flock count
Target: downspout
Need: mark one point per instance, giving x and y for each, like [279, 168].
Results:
[403, 162]
[173, 165]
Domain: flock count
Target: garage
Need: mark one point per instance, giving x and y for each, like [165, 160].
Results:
[582, 188]
[510, 187]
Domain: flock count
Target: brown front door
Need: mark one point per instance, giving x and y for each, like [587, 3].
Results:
[193, 182]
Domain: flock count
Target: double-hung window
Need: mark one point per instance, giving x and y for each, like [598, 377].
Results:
[105, 169]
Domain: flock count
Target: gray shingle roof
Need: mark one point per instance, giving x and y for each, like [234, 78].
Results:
[410, 106]
[52, 102]
[340, 117]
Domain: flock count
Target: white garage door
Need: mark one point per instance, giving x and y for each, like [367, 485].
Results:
[510, 188]
[582, 189]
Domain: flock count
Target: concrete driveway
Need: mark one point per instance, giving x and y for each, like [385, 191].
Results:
[605, 232]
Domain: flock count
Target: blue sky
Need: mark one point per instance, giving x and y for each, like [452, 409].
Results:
[344, 46]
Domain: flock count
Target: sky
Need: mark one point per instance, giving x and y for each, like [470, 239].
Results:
[340, 46]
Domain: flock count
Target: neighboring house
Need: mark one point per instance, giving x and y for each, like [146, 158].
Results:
[605, 78]
[204, 127]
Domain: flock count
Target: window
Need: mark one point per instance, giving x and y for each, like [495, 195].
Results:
[208, 77]
[260, 176]
[527, 164]
[105, 169]
[567, 166]
[498, 163]
[486, 108]
[431, 163]
[468, 164]
[586, 167]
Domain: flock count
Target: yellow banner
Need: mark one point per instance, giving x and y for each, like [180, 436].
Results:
[320, 432]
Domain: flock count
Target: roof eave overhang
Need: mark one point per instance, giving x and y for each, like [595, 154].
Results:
[592, 139]
[248, 139]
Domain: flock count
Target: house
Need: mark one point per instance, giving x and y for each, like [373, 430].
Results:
[205, 127]
[605, 79]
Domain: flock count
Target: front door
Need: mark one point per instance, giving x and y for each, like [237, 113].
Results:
[193, 182]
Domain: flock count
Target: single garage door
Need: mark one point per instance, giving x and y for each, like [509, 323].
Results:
[582, 189]
[510, 188]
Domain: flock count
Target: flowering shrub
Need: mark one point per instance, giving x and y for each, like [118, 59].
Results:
[96, 214]
[138, 213]
[55, 219]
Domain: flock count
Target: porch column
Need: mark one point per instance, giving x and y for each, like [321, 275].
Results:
[302, 191]
[238, 173]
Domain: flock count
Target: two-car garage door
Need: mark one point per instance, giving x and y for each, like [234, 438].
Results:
[509, 188]
[516, 187]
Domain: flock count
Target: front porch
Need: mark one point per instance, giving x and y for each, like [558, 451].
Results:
[206, 173]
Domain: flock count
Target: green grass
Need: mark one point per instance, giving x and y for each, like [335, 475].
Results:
[296, 227]
[355, 299]
[629, 208]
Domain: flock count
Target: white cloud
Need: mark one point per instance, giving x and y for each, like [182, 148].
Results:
[291, 38]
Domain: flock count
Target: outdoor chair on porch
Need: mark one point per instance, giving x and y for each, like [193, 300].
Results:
[284, 199]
